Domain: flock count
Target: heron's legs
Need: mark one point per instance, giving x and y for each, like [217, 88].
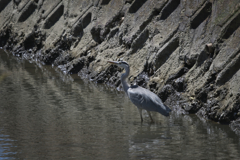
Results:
[140, 112]
[150, 116]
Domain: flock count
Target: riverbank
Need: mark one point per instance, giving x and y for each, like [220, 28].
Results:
[187, 52]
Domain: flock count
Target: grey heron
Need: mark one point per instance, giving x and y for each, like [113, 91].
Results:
[141, 97]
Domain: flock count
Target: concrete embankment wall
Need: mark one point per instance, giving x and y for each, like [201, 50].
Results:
[186, 51]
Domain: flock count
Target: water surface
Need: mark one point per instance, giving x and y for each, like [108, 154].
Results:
[47, 115]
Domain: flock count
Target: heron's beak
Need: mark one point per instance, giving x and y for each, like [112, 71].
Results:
[113, 62]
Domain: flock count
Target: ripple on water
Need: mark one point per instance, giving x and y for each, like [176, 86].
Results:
[49, 115]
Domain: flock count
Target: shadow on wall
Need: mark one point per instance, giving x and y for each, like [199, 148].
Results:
[204, 13]
[231, 27]
[169, 8]
[136, 5]
[27, 12]
[54, 17]
[3, 4]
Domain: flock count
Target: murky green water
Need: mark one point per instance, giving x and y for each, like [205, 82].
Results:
[47, 115]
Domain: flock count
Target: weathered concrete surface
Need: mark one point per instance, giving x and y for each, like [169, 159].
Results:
[185, 51]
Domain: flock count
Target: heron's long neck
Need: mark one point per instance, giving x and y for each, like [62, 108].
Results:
[123, 79]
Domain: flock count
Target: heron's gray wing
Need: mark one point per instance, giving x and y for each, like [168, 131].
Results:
[143, 98]
[136, 96]
[147, 100]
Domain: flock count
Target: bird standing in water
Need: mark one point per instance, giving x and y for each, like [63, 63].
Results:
[141, 97]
